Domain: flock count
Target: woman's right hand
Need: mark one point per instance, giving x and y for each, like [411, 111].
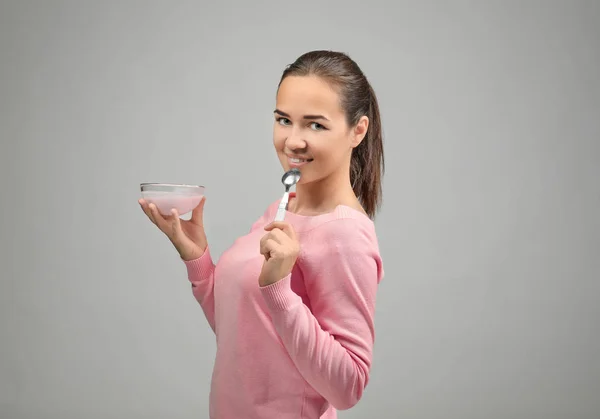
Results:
[187, 236]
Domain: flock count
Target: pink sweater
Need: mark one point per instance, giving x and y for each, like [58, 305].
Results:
[302, 347]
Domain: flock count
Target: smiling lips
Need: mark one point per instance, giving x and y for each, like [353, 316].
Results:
[297, 162]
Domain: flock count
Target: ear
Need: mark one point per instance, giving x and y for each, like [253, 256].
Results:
[360, 130]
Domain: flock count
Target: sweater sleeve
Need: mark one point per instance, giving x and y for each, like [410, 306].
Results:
[331, 343]
[201, 274]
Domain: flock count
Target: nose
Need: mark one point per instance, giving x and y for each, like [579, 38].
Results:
[295, 142]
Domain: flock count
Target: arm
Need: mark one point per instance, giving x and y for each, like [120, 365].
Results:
[332, 345]
[201, 274]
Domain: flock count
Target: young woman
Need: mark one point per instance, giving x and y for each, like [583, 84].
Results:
[292, 302]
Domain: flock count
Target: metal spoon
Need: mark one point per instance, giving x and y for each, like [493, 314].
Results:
[289, 179]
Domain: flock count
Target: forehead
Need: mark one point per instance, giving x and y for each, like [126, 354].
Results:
[308, 94]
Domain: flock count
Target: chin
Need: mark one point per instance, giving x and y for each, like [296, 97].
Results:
[306, 179]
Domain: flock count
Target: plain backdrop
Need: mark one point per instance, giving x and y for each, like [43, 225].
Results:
[489, 232]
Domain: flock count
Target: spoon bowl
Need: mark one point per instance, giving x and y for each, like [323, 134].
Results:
[289, 179]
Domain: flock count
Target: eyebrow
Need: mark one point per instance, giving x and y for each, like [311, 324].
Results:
[305, 116]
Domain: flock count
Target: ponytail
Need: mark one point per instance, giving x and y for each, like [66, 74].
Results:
[367, 164]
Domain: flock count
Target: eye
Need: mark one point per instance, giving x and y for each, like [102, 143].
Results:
[316, 126]
[283, 121]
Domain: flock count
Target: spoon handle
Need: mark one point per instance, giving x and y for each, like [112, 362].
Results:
[282, 207]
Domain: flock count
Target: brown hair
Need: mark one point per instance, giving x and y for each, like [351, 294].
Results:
[357, 99]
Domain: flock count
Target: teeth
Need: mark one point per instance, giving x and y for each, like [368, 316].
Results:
[297, 161]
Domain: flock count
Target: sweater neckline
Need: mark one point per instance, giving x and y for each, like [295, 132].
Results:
[339, 210]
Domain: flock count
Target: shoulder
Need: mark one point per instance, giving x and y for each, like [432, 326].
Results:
[347, 241]
[343, 224]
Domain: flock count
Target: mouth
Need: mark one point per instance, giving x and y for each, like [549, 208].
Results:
[297, 162]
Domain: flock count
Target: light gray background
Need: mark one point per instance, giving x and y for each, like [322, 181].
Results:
[490, 228]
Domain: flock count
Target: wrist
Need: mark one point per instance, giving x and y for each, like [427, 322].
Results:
[266, 280]
[191, 255]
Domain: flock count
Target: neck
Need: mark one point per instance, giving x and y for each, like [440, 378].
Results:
[323, 195]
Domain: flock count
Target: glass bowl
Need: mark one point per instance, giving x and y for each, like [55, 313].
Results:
[184, 198]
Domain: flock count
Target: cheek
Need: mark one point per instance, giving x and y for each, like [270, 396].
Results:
[329, 158]
[327, 152]
[278, 137]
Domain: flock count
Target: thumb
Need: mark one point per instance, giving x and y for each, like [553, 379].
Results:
[198, 212]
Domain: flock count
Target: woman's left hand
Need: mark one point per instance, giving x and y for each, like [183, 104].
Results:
[280, 247]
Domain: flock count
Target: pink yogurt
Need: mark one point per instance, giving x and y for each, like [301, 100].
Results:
[166, 201]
